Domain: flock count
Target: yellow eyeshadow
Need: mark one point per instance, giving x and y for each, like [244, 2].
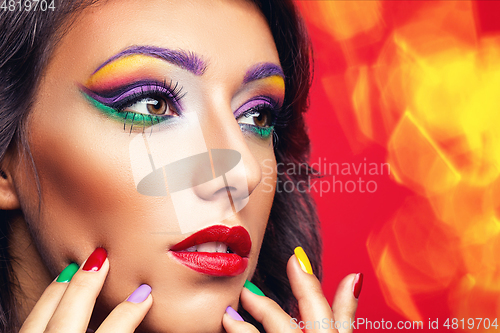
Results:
[276, 81]
[123, 66]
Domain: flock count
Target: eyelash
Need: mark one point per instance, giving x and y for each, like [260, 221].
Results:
[113, 103]
[171, 91]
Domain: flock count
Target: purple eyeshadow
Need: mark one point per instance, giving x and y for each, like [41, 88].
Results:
[252, 104]
[261, 71]
[186, 60]
[117, 98]
[124, 96]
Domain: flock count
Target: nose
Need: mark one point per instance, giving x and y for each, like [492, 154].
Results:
[208, 180]
[233, 169]
[223, 176]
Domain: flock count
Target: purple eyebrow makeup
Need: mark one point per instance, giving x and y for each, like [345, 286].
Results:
[186, 60]
[261, 71]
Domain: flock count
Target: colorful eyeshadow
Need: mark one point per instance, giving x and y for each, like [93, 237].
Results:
[113, 90]
[264, 70]
[128, 118]
[263, 132]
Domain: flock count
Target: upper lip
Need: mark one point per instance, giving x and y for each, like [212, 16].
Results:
[236, 238]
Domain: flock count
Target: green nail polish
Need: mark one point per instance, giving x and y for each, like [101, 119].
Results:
[67, 273]
[253, 288]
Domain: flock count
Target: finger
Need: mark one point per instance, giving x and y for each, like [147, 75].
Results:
[266, 312]
[130, 313]
[313, 306]
[75, 308]
[44, 309]
[345, 302]
[233, 323]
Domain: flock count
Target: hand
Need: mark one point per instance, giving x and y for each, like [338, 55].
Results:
[66, 306]
[313, 305]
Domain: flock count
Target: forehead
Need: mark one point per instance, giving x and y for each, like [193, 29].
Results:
[230, 35]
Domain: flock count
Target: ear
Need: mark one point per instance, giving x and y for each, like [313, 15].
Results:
[8, 195]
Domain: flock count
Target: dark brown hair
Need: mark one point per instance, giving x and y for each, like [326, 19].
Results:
[27, 39]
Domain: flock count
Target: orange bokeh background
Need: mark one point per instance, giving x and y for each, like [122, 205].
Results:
[413, 84]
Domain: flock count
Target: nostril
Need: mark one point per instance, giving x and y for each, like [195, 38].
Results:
[231, 189]
[224, 191]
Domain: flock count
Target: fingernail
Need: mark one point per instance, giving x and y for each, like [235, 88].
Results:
[140, 294]
[304, 262]
[233, 314]
[67, 273]
[96, 259]
[253, 288]
[358, 283]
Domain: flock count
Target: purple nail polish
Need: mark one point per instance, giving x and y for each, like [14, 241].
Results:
[232, 312]
[140, 294]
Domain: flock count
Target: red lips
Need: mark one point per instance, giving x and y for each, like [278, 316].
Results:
[216, 264]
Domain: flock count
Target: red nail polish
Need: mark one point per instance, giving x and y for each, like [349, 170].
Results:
[96, 259]
[358, 283]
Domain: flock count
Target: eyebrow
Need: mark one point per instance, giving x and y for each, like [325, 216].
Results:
[263, 70]
[183, 59]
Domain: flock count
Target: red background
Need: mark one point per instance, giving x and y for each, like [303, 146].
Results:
[349, 218]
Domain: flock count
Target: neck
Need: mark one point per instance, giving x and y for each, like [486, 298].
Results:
[30, 274]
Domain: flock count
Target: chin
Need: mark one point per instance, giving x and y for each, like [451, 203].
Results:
[184, 300]
[186, 317]
[190, 323]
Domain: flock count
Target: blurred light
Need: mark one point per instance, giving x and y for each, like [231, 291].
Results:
[421, 81]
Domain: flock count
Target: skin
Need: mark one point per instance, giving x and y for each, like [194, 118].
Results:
[88, 197]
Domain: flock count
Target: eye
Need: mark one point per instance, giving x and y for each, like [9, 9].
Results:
[157, 106]
[260, 117]
[143, 103]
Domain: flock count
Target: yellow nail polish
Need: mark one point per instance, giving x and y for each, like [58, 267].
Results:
[303, 260]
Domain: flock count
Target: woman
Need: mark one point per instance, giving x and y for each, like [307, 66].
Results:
[141, 134]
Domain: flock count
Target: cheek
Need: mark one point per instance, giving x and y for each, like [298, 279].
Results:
[77, 183]
[262, 197]
[88, 195]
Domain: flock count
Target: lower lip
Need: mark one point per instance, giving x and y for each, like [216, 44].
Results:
[216, 264]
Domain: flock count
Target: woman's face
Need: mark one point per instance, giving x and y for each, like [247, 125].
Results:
[186, 88]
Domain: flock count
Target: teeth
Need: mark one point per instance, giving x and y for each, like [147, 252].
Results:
[191, 249]
[221, 248]
[207, 247]
[211, 247]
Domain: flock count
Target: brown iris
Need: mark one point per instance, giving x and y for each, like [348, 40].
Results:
[161, 108]
[263, 120]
